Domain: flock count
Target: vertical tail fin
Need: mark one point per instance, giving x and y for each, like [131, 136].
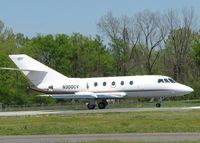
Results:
[35, 71]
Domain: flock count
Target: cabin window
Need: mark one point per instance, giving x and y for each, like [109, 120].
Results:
[171, 80]
[104, 83]
[113, 83]
[51, 87]
[131, 82]
[95, 84]
[166, 80]
[122, 82]
[160, 81]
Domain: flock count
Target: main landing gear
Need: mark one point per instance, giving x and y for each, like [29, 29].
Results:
[91, 104]
[159, 102]
[101, 104]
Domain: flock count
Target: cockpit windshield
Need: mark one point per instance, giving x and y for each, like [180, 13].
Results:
[160, 81]
[171, 80]
[166, 80]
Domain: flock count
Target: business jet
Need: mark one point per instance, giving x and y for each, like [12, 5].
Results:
[98, 89]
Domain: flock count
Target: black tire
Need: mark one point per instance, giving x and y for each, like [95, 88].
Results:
[158, 105]
[102, 105]
[91, 106]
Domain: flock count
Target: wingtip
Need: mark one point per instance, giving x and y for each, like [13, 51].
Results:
[17, 55]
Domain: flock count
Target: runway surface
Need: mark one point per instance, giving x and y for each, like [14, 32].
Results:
[93, 137]
[68, 112]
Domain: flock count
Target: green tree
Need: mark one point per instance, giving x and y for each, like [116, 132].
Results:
[178, 52]
[196, 51]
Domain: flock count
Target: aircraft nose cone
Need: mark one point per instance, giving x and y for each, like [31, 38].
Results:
[183, 89]
[187, 90]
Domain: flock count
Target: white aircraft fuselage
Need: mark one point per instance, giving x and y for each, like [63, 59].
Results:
[132, 87]
[56, 85]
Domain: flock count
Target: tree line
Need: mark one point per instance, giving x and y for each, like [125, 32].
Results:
[164, 43]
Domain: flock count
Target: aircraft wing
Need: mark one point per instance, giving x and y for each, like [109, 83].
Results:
[88, 95]
[111, 95]
[16, 69]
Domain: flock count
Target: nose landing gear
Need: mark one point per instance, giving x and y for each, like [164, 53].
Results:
[158, 105]
[159, 102]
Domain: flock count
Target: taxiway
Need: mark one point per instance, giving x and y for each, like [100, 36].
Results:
[153, 137]
[68, 112]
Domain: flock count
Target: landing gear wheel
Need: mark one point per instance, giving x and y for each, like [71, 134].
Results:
[90, 106]
[158, 105]
[102, 105]
[159, 102]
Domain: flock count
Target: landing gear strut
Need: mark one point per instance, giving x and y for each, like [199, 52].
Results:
[159, 102]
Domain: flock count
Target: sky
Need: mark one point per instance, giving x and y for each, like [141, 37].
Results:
[32, 17]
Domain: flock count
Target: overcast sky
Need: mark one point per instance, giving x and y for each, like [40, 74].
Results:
[31, 17]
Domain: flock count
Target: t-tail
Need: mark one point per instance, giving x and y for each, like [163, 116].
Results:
[35, 71]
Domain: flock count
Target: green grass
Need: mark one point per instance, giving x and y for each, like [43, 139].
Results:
[132, 122]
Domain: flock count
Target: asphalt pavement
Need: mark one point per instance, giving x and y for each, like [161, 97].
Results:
[68, 112]
[153, 137]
